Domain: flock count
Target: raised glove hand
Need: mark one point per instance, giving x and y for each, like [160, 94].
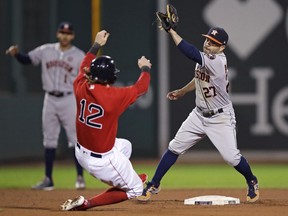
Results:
[172, 16]
[168, 20]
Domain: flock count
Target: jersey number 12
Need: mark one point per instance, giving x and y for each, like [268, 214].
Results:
[96, 111]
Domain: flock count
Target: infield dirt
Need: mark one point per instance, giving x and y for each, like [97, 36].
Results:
[167, 202]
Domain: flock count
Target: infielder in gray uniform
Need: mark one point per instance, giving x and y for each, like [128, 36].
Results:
[60, 63]
[213, 115]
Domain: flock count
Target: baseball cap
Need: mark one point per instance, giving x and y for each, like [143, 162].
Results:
[218, 35]
[66, 27]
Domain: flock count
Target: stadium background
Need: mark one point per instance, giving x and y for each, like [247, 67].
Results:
[257, 62]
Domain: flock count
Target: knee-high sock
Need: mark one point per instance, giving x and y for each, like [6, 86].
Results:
[110, 196]
[167, 160]
[49, 160]
[244, 168]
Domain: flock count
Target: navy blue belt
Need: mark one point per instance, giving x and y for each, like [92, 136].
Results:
[210, 113]
[91, 153]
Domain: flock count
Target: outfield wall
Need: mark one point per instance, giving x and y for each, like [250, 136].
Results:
[256, 54]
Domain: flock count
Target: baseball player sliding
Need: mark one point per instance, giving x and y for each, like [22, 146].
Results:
[99, 106]
[60, 64]
[213, 115]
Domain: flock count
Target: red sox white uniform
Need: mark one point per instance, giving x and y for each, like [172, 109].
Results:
[98, 150]
[59, 70]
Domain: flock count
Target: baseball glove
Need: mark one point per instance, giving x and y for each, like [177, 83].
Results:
[163, 21]
[168, 20]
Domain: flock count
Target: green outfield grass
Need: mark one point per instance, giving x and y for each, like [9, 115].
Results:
[179, 176]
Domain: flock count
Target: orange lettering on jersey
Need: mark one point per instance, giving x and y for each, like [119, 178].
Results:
[61, 64]
[202, 76]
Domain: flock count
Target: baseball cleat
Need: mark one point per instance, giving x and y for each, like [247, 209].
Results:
[80, 183]
[148, 191]
[144, 197]
[72, 205]
[46, 184]
[253, 191]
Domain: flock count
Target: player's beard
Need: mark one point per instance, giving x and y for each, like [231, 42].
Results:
[208, 51]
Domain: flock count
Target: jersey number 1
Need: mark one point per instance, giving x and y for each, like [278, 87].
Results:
[96, 112]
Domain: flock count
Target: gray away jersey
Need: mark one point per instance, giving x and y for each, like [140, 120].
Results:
[211, 79]
[59, 69]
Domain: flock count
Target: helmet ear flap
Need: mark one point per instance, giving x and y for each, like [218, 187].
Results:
[114, 79]
[115, 75]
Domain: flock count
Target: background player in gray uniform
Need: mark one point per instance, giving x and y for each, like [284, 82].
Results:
[213, 115]
[60, 63]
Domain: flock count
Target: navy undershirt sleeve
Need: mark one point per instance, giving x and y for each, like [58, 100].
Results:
[23, 58]
[95, 48]
[190, 51]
